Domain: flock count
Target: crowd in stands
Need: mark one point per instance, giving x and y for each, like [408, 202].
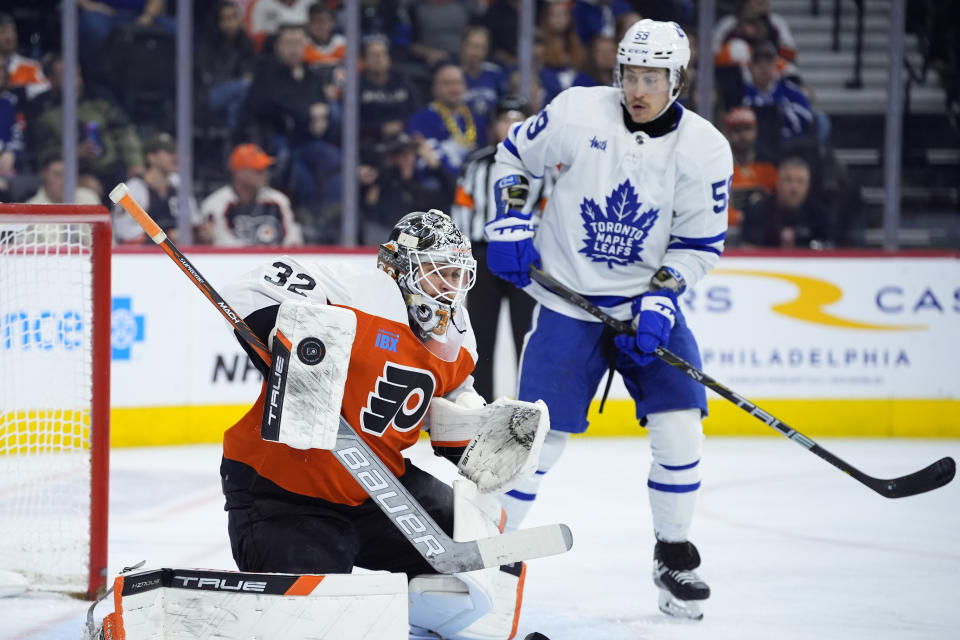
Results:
[789, 189]
[268, 90]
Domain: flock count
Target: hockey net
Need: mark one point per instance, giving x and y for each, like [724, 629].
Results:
[54, 396]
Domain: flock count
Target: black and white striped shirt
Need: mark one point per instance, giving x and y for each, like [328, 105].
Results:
[474, 204]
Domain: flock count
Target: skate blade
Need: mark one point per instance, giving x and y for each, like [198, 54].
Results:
[681, 609]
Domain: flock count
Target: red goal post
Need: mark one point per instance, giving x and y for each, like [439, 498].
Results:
[55, 308]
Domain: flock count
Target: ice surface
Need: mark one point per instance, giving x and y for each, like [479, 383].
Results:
[792, 548]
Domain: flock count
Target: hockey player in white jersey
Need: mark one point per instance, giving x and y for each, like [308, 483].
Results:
[638, 216]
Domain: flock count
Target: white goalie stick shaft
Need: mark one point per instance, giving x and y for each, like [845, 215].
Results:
[439, 550]
[929, 478]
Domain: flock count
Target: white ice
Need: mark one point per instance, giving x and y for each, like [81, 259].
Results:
[792, 548]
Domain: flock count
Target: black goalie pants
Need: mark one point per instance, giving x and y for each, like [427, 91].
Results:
[275, 531]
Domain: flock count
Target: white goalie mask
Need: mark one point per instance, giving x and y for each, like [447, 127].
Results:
[662, 45]
[432, 263]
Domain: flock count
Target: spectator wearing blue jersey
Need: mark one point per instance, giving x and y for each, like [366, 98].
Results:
[767, 89]
[447, 123]
[484, 78]
[593, 18]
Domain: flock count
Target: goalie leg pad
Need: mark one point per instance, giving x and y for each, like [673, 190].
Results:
[311, 355]
[192, 603]
[478, 605]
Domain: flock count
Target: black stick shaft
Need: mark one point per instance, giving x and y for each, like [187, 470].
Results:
[927, 479]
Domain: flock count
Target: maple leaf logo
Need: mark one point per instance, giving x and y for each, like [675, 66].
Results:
[615, 235]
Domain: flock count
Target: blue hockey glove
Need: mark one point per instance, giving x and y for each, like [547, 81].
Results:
[510, 251]
[511, 260]
[655, 313]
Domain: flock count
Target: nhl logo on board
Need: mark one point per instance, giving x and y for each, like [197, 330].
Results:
[311, 351]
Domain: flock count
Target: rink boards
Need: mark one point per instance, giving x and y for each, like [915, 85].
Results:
[833, 344]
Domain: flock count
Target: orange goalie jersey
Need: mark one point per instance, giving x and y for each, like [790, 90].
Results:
[391, 378]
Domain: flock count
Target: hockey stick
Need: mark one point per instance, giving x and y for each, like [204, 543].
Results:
[929, 478]
[442, 553]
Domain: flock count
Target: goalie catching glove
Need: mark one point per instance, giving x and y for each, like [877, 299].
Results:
[503, 439]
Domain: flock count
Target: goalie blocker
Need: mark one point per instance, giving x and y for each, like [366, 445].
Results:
[311, 356]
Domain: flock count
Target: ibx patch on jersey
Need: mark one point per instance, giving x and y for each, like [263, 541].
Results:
[386, 340]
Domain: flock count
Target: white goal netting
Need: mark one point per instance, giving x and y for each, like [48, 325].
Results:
[46, 391]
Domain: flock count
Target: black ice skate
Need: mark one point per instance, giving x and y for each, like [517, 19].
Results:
[681, 589]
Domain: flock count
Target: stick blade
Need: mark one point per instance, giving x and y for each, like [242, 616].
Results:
[525, 544]
[933, 477]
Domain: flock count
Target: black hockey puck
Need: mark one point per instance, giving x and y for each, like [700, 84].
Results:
[311, 351]
[536, 636]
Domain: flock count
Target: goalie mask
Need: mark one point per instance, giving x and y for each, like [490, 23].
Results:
[431, 261]
[661, 45]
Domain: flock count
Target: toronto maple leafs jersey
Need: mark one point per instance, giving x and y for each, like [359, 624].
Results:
[625, 203]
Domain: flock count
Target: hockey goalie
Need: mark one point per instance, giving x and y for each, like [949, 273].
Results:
[388, 349]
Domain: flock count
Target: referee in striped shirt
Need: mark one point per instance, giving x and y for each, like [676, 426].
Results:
[474, 206]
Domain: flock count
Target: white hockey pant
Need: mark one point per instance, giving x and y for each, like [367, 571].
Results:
[517, 502]
[676, 443]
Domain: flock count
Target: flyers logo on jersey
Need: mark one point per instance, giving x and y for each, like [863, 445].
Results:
[400, 399]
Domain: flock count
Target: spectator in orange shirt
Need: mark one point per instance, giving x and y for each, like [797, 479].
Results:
[324, 47]
[21, 71]
[752, 180]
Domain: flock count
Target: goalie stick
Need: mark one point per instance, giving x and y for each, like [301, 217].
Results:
[439, 550]
[929, 478]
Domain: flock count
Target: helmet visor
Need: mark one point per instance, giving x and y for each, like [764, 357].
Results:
[645, 80]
